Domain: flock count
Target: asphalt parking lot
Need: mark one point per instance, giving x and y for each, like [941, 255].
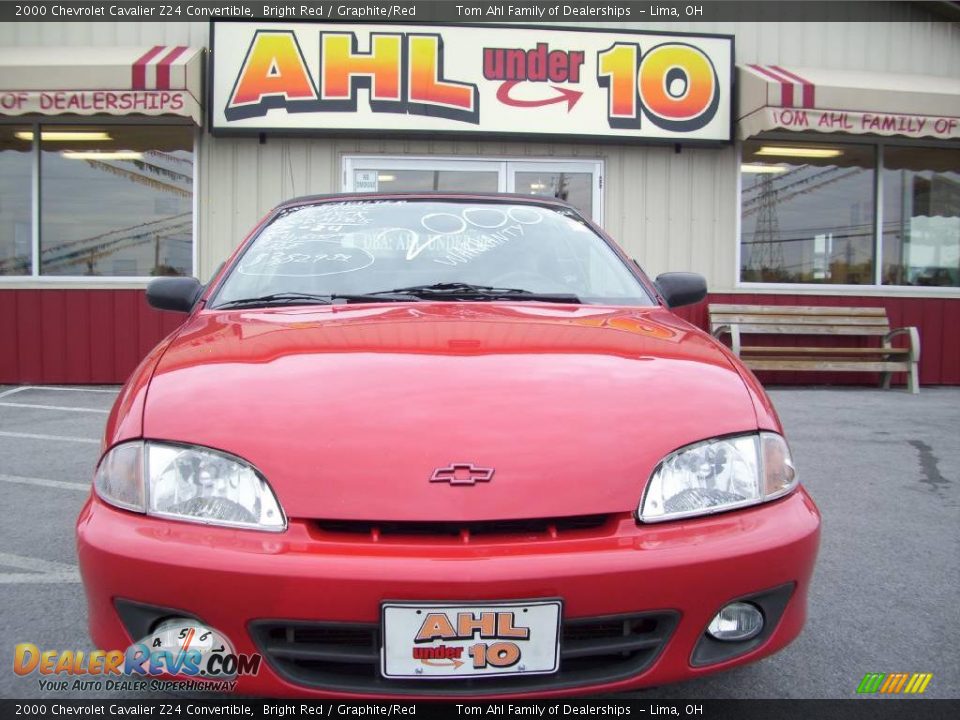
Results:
[882, 466]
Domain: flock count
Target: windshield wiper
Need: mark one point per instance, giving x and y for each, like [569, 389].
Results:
[468, 291]
[278, 298]
[447, 291]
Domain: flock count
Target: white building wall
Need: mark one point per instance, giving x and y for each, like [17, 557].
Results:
[671, 211]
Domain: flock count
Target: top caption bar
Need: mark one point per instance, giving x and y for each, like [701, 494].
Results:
[449, 11]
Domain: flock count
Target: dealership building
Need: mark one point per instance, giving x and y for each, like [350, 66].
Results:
[789, 163]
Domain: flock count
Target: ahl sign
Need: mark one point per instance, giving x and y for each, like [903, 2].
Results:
[494, 80]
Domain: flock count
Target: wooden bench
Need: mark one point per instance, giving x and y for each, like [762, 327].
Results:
[833, 322]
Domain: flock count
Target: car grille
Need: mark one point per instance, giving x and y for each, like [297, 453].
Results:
[534, 529]
[340, 656]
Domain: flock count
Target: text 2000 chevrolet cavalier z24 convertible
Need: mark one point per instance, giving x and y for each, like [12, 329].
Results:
[446, 445]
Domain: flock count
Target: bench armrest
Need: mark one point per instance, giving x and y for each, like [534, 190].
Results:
[734, 336]
[914, 336]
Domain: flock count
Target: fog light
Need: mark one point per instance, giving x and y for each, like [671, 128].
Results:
[735, 622]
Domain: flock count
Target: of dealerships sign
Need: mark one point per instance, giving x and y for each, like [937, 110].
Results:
[494, 80]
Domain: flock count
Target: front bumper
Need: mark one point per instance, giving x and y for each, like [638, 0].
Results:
[234, 580]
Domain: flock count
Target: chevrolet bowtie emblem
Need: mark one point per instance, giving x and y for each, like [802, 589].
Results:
[462, 474]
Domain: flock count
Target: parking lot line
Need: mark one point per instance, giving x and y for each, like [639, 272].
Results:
[62, 408]
[38, 571]
[39, 578]
[7, 393]
[37, 436]
[31, 564]
[61, 388]
[43, 482]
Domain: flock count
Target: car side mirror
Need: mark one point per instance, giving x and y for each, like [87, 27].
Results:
[178, 294]
[681, 288]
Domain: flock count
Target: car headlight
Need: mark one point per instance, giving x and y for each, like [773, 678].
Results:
[189, 483]
[719, 474]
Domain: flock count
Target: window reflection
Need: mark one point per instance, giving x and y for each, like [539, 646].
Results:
[116, 200]
[807, 213]
[574, 188]
[389, 180]
[921, 216]
[16, 246]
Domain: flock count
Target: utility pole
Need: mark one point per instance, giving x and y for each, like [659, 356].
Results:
[766, 251]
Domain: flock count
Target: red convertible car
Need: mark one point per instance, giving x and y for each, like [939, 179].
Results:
[445, 445]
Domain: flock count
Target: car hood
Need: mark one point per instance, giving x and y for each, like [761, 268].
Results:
[349, 410]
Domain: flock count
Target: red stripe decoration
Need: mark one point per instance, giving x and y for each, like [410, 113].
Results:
[139, 78]
[163, 68]
[786, 87]
[808, 87]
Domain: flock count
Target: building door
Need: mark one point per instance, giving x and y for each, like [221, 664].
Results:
[577, 181]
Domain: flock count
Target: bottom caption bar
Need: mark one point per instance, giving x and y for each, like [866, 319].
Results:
[856, 709]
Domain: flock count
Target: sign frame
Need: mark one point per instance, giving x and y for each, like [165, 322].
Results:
[484, 606]
[263, 131]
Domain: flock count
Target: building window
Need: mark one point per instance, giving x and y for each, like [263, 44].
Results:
[412, 180]
[808, 214]
[921, 216]
[114, 200]
[16, 237]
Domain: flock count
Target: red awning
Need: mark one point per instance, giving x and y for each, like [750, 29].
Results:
[163, 80]
[773, 97]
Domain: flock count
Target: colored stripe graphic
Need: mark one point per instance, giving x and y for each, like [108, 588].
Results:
[139, 76]
[871, 682]
[786, 87]
[894, 683]
[163, 68]
[808, 87]
[923, 679]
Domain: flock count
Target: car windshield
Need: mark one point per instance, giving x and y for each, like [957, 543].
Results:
[428, 249]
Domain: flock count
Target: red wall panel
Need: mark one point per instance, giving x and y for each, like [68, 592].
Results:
[77, 336]
[99, 310]
[8, 333]
[99, 336]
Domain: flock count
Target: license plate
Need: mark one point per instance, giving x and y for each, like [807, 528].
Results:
[444, 640]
